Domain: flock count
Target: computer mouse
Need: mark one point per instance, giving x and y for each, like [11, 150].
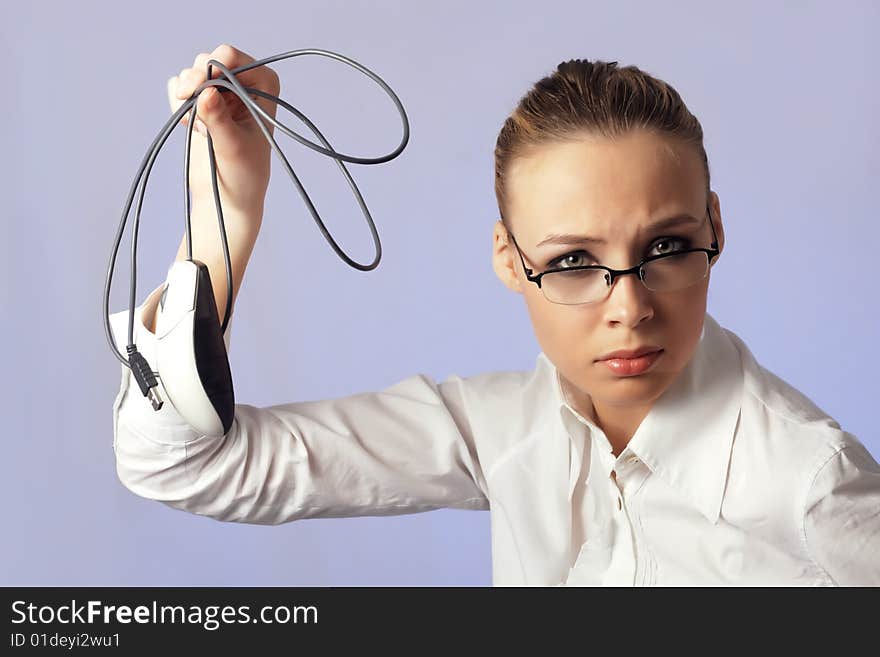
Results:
[191, 356]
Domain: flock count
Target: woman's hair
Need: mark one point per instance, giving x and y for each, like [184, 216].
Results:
[584, 98]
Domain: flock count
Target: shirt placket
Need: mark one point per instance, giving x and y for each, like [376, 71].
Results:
[628, 559]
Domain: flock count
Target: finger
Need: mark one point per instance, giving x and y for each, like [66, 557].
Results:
[176, 102]
[227, 55]
[173, 99]
[183, 85]
[262, 77]
[214, 113]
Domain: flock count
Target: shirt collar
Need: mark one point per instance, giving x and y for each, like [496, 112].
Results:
[687, 436]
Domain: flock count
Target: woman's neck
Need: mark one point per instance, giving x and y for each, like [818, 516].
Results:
[619, 423]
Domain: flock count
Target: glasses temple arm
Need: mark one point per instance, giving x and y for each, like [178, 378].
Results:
[712, 226]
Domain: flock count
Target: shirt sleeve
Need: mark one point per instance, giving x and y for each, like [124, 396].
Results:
[842, 517]
[404, 449]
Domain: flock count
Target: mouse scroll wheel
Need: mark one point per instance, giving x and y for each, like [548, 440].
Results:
[162, 298]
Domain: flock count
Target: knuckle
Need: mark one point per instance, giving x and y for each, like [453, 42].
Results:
[200, 60]
[273, 82]
[224, 52]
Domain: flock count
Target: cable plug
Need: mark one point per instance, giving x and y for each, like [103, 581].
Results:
[144, 376]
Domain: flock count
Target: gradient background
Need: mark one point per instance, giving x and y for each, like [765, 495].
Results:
[788, 98]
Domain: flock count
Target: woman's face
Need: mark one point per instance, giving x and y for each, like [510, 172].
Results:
[612, 191]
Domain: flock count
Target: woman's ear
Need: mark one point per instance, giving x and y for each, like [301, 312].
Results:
[504, 258]
[718, 224]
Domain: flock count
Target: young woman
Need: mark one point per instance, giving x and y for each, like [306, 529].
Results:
[646, 447]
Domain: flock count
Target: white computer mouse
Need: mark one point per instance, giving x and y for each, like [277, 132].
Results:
[191, 356]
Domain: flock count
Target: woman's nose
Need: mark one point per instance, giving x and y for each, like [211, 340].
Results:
[629, 301]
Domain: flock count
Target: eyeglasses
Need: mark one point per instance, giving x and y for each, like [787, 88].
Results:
[668, 272]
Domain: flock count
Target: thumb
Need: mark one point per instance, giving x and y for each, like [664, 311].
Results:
[213, 112]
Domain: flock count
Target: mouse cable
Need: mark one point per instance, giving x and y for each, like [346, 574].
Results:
[146, 378]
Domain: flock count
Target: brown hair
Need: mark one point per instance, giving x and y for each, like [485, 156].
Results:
[592, 98]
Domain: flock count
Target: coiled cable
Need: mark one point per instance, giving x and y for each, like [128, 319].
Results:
[136, 362]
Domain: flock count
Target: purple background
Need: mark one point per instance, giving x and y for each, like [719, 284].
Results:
[787, 96]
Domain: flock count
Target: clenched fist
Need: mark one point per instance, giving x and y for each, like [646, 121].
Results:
[241, 150]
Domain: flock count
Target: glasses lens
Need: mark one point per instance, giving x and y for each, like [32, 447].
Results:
[571, 287]
[676, 272]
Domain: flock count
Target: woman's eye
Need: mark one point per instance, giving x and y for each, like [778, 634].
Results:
[576, 259]
[663, 245]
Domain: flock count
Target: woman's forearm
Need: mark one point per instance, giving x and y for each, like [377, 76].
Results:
[242, 229]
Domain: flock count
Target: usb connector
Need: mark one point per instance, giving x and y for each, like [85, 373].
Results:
[155, 399]
[144, 376]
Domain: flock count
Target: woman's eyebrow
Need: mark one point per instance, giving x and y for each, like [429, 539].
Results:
[668, 222]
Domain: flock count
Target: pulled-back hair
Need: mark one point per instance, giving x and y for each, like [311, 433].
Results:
[584, 98]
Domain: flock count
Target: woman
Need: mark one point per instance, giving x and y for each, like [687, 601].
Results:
[679, 460]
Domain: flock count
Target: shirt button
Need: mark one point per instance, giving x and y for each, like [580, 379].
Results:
[619, 504]
[633, 459]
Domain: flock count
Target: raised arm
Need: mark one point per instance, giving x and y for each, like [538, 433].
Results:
[404, 449]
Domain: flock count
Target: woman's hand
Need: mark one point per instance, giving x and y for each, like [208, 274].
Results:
[241, 150]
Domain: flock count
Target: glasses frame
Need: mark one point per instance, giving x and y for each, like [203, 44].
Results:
[614, 274]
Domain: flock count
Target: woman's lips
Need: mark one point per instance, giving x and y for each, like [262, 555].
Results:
[632, 366]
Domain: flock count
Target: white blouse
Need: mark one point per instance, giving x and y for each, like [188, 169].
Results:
[733, 478]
